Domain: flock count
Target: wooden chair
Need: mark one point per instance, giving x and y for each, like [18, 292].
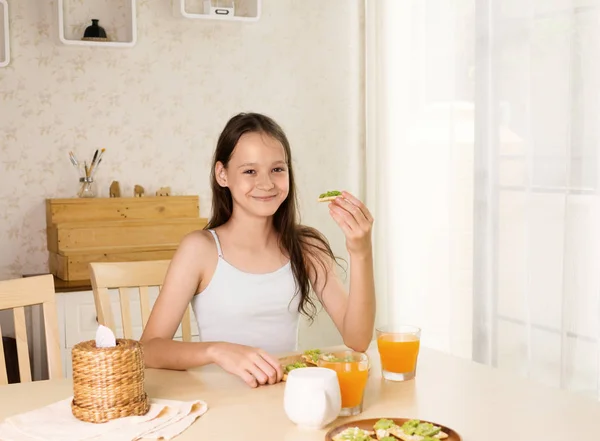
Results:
[128, 277]
[16, 294]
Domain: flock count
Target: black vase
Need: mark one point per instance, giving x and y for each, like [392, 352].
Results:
[94, 31]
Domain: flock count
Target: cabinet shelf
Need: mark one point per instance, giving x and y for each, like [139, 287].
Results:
[245, 10]
[70, 33]
[4, 34]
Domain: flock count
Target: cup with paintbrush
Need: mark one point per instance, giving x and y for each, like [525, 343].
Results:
[87, 173]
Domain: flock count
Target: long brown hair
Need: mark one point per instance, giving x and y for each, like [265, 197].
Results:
[304, 245]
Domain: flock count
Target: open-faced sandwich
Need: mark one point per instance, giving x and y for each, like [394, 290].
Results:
[291, 366]
[354, 434]
[311, 356]
[388, 430]
[411, 430]
[308, 358]
[329, 196]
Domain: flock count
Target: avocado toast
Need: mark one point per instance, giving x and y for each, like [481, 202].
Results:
[329, 196]
[387, 430]
[308, 358]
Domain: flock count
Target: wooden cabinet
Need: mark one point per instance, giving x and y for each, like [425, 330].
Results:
[80, 230]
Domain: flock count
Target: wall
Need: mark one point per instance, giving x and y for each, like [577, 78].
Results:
[158, 108]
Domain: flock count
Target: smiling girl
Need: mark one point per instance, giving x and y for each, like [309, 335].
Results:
[250, 273]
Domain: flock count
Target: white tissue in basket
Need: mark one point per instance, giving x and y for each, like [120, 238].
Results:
[105, 337]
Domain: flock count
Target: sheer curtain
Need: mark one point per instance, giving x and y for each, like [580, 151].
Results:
[420, 147]
[482, 159]
[537, 244]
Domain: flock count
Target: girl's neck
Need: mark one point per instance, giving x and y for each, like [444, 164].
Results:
[249, 231]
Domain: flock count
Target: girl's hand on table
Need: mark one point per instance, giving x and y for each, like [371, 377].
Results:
[253, 365]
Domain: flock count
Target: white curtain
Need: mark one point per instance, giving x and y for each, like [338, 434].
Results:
[482, 156]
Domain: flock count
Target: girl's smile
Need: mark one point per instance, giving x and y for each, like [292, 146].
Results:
[265, 198]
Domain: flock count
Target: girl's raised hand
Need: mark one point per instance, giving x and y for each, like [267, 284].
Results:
[355, 220]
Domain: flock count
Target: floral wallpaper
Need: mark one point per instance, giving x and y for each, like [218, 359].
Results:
[158, 107]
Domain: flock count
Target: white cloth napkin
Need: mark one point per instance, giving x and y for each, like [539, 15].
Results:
[165, 420]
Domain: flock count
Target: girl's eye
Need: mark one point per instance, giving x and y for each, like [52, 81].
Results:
[249, 172]
[278, 169]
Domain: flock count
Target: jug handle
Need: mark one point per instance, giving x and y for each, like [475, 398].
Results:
[324, 403]
[330, 410]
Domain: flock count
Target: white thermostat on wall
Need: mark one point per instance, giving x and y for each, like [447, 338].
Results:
[219, 7]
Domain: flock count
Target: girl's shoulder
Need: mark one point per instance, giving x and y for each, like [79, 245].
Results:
[198, 241]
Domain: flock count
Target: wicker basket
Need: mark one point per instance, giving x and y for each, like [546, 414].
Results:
[108, 383]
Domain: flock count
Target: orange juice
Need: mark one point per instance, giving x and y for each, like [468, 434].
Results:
[352, 377]
[398, 352]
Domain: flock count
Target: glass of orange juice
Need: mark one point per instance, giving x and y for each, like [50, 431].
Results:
[352, 370]
[398, 350]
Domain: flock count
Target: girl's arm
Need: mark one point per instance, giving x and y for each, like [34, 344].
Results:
[353, 313]
[182, 281]
[180, 284]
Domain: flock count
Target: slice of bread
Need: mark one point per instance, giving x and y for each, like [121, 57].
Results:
[329, 196]
[399, 433]
[327, 199]
[308, 357]
[344, 434]
[382, 433]
[291, 360]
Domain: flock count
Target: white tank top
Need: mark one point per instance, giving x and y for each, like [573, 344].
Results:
[257, 310]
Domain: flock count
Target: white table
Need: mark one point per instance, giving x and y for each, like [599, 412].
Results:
[480, 403]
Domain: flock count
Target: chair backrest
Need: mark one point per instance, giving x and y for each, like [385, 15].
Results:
[129, 277]
[16, 294]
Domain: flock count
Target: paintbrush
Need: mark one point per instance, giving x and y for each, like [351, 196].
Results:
[73, 159]
[94, 158]
[96, 168]
[75, 162]
[97, 157]
[93, 162]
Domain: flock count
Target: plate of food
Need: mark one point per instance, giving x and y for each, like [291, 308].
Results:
[307, 358]
[292, 362]
[391, 429]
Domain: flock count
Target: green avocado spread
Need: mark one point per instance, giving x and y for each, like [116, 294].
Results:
[329, 194]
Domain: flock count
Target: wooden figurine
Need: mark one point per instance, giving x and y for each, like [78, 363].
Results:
[115, 190]
[163, 191]
[138, 191]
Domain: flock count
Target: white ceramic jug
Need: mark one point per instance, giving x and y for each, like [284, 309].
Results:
[312, 397]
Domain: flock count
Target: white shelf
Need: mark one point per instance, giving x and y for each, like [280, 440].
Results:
[4, 35]
[245, 10]
[73, 40]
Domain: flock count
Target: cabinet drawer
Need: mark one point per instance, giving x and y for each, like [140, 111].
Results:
[117, 209]
[127, 236]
